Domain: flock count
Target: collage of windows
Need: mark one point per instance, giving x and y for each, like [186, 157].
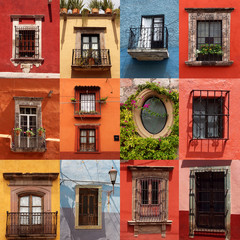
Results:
[119, 125]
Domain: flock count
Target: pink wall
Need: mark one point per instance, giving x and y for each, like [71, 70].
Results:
[208, 149]
[50, 33]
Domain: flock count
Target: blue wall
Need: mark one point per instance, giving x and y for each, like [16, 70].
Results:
[89, 172]
[131, 12]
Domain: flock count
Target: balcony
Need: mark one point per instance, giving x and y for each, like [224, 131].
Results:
[31, 225]
[23, 143]
[91, 60]
[148, 44]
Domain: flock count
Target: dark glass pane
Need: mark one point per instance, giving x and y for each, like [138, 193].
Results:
[154, 115]
[85, 205]
[144, 191]
[91, 204]
[154, 192]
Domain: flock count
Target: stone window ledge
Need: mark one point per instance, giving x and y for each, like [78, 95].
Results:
[209, 63]
[168, 222]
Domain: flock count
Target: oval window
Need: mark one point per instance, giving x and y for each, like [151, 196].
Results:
[154, 115]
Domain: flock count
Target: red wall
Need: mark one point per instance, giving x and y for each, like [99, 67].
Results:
[50, 33]
[184, 228]
[208, 149]
[50, 114]
[126, 231]
[206, 71]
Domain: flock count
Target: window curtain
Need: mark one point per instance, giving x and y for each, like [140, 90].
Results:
[145, 33]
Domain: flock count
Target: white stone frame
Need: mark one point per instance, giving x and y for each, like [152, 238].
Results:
[214, 14]
[27, 64]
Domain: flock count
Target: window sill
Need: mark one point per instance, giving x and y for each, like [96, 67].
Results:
[88, 227]
[78, 152]
[16, 149]
[168, 222]
[87, 115]
[208, 63]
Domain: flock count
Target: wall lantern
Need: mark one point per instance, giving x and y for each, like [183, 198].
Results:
[113, 177]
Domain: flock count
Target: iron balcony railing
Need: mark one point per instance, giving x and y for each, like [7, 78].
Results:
[42, 224]
[148, 38]
[91, 58]
[21, 142]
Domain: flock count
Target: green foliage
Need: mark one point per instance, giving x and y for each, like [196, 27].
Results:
[63, 4]
[94, 4]
[85, 12]
[210, 49]
[106, 4]
[117, 11]
[41, 129]
[77, 4]
[73, 99]
[134, 146]
[69, 5]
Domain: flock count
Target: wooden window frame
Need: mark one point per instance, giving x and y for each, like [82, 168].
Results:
[77, 190]
[97, 137]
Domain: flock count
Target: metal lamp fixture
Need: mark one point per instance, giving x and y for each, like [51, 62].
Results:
[113, 176]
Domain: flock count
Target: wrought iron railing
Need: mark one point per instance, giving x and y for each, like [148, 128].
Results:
[22, 142]
[148, 38]
[91, 57]
[31, 224]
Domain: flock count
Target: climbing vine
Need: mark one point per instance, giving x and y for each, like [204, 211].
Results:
[133, 146]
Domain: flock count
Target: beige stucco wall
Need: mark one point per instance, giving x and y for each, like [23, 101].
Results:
[68, 40]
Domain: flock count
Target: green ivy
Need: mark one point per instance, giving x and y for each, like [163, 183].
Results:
[135, 147]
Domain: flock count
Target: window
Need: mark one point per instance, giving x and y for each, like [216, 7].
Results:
[210, 200]
[87, 138]
[27, 41]
[30, 209]
[209, 36]
[28, 116]
[150, 199]
[154, 117]
[210, 114]
[88, 207]
[90, 51]
[87, 102]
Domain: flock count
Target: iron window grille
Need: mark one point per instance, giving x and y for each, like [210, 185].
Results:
[210, 114]
[87, 101]
[87, 140]
[209, 209]
[27, 42]
[151, 195]
[152, 34]
[209, 40]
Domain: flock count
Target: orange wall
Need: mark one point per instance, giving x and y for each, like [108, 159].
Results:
[10, 88]
[208, 72]
[110, 118]
[208, 149]
[126, 231]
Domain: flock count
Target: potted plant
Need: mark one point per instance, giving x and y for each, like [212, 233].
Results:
[85, 12]
[17, 131]
[209, 52]
[107, 6]
[73, 100]
[40, 131]
[63, 6]
[77, 5]
[117, 12]
[103, 100]
[29, 133]
[95, 5]
[69, 6]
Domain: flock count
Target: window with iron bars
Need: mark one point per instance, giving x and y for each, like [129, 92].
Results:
[210, 114]
[27, 42]
[151, 195]
[87, 140]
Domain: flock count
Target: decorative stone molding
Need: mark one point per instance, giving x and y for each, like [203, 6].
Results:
[145, 94]
[148, 227]
[208, 14]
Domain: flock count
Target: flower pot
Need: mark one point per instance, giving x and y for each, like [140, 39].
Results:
[209, 57]
[75, 11]
[108, 11]
[64, 10]
[29, 135]
[95, 11]
[91, 61]
[17, 132]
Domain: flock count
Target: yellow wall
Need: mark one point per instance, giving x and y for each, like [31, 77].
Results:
[27, 166]
[68, 39]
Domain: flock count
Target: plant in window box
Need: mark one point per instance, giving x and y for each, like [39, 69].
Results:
[17, 131]
[63, 6]
[40, 131]
[103, 100]
[209, 52]
[95, 5]
[73, 100]
[29, 133]
[77, 5]
[107, 6]
[87, 112]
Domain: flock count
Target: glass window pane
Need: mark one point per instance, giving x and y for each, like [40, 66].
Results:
[94, 39]
[36, 201]
[24, 201]
[85, 39]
